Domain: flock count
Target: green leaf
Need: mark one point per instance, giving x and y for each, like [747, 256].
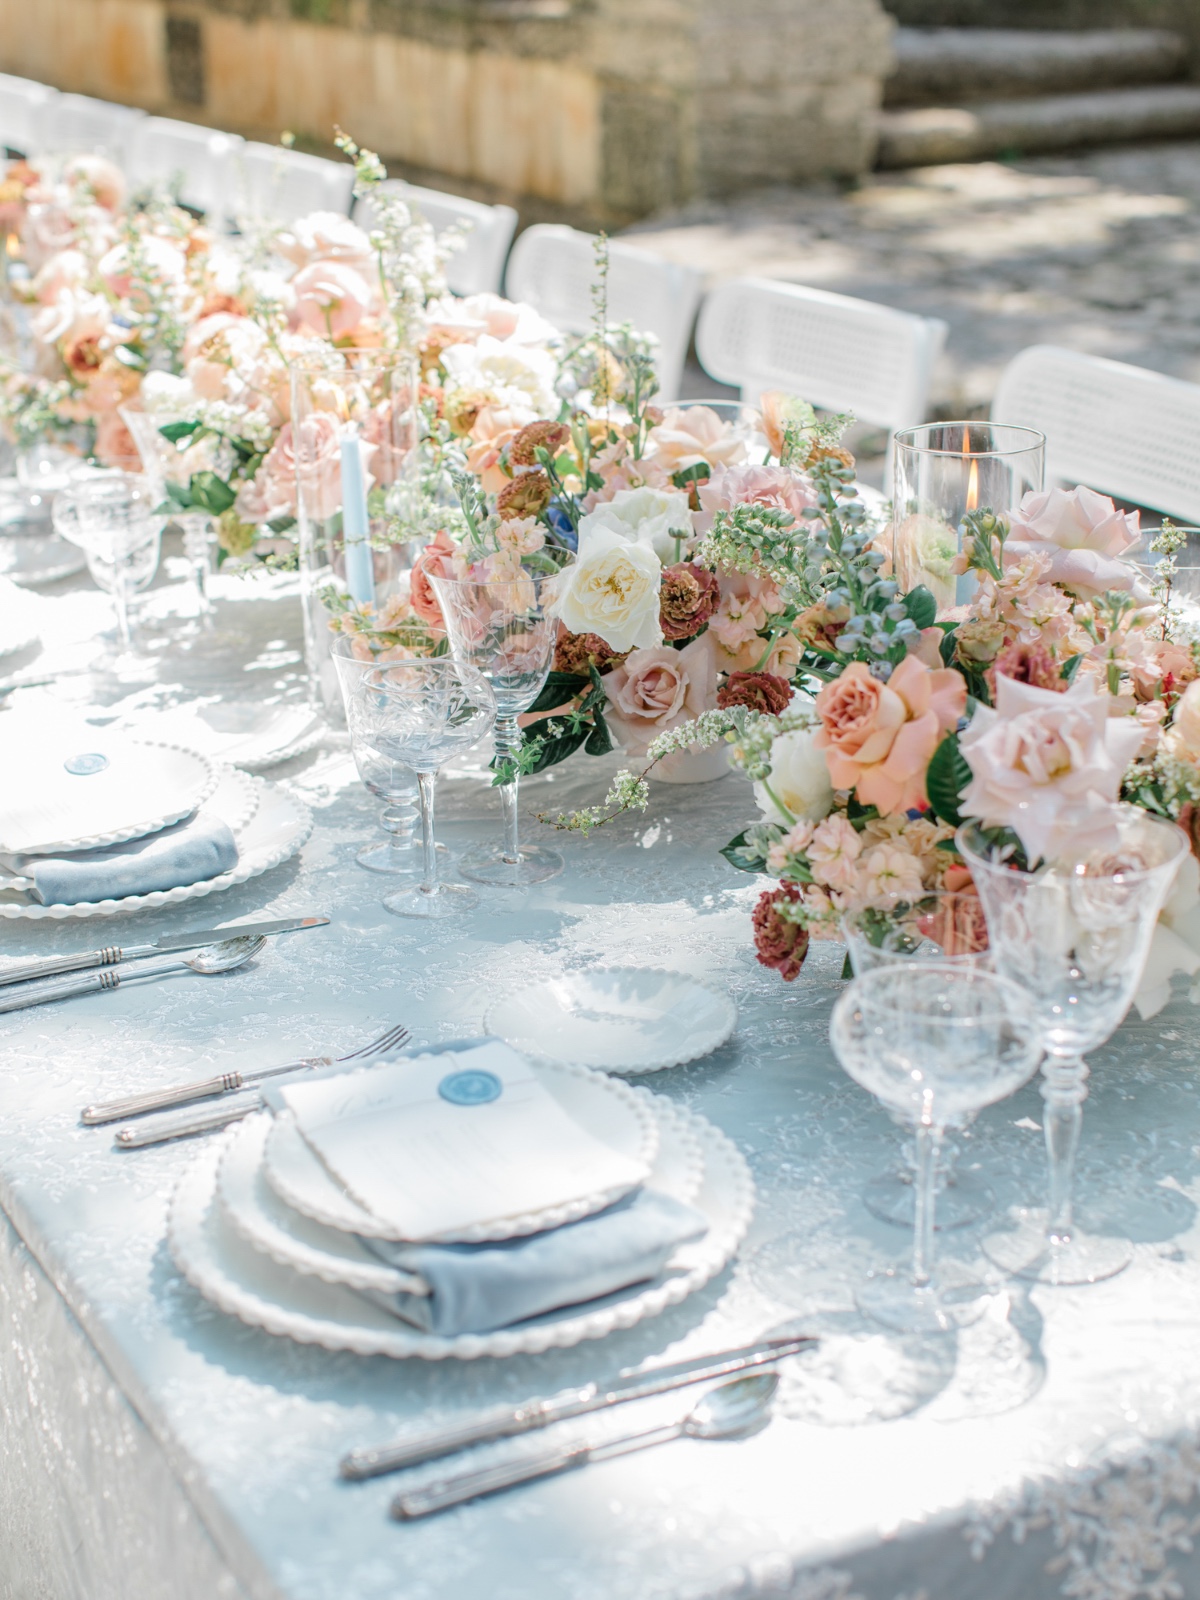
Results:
[698, 472]
[211, 493]
[1070, 667]
[738, 855]
[180, 496]
[174, 431]
[599, 741]
[946, 779]
[558, 688]
[948, 645]
[556, 749]
[921, 607]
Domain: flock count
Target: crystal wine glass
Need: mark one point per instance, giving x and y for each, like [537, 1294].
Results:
[506, 632]
[160, 462]
[418, 714]
[943, 927]
[393, 783]
[113, 521]
[935, 1043]
[1075, 937]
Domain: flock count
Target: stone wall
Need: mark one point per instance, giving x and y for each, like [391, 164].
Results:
[602, 108]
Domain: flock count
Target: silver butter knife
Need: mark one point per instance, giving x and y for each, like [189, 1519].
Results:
[111, 954]
[181, 1124]
[507, 1422]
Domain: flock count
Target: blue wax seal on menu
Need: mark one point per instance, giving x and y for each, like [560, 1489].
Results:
[470, 1088]
[84, 765]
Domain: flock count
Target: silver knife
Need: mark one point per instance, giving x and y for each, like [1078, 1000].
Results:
[113, 953]
[180, 1124]
[506, 1422]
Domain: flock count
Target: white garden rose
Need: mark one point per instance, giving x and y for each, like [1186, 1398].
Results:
[611, 589]
[799, 780]
[1183, 737]
[651, 516]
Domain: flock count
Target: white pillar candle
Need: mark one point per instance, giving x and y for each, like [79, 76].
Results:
[356, 526]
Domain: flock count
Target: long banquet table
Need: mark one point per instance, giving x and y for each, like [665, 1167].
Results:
[152, 1446]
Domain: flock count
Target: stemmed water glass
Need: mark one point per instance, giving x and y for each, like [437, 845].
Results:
[418, 714]
[506, 632]
[161, 462]
[944, 927]
[1074, 936]
[391, 781]
[112, 518]
[935, 1043]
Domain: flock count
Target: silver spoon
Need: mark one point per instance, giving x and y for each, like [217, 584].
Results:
[213, 958]
[730, 1411]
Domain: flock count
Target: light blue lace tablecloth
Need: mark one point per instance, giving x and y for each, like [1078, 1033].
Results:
[152, 1446]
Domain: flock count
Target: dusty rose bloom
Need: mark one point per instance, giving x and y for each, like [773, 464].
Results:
[548, 436]
[777, 942]
[761, 691]
[1026, 663]
[687, 600]
[526, 496]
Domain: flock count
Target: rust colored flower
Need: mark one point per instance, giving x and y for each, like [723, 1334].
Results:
[1026, 663]
[778, 942]
[548, 436]
[821, 625]
[687, 599]
[760, 691]
[829, 452]
[1189, 820]
[576, 652]
[526, 496]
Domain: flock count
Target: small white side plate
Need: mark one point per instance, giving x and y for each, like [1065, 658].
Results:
[620, 1019]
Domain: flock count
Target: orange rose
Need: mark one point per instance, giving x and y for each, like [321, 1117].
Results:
[436, 559]
[878, 738]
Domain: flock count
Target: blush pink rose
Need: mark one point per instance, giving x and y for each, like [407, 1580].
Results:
[1082, 533]
[306, 461]
[878, 738]
[688, 435]
[391, 428]
[1049, 766]
[777, 487]
[654, 690]
[331, 298]
[436, 560]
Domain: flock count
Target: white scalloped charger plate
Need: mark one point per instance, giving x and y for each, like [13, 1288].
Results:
[621, 1119]
[617, 1019]
[253, 737]
[242, 1282]
[276, 830]
[258, 1214]
[19, 618]
[142, 787]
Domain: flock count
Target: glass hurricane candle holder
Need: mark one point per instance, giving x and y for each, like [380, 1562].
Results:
[354, 442]
[940, 472]
[1075, 938]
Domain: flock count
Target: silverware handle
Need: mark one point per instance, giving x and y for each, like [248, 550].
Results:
[85, 983]
[503, 1423]
[464, 1486]
[135, 1105]
[179, 1124]
[53, 965]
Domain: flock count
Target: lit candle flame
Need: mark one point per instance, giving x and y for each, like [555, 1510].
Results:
[973, 487]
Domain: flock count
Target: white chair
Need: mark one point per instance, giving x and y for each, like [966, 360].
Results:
[836, 352]
[1119, 429]
[476, 268]
[275, 184]
[194, 164]
[554, 269]
[75, 124]
[23, 104]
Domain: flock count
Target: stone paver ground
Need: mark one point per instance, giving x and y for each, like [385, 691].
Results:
[1099, 251]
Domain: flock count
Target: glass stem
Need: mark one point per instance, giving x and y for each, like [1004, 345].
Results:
[195, 548]
[1064, 1089]
[924, 1196]
[396, 820]
[508, 742]
[426, 781]
[121, 607]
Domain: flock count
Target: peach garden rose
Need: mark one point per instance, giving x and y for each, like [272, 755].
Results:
[878, 738]
[653, 691]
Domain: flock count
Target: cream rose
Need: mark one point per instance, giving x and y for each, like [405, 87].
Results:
[1083, 534]
[657, 517]
[798, 789]
[611, 588]
[1182, 739]
[655, 690]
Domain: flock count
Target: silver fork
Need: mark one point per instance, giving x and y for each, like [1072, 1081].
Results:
[136, 1105]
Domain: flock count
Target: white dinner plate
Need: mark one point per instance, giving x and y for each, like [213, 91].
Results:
[244, 1283]
[19, 618]
[276, 830]
[609, 1110]
[619, 1019]
[83, 788]
[267, 1222]
[246, 735]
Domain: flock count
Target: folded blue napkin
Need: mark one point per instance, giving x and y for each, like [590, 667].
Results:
[475, 1288]
[200, 847]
